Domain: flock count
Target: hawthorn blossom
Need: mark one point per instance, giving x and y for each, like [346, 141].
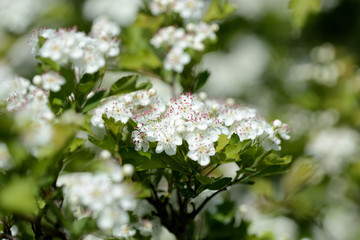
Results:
[103, 28]
[87, 53]
[160, 6]
[199, 122]
[101, 195]
[17, 16]
[167, 140]
[125, 231]
[187, 9]
[176, 60]
[32, 114]
[335, 148]
[200, 149]
[176, 40]
[49, 81]
[140, 140]
[139, 106]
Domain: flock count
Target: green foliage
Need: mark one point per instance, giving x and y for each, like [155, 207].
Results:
[141, 60]
[218, 10]
[301, 9]
[127, 84]
[19, 196]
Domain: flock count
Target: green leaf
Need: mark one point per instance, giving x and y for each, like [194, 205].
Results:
[234, 139]
[69, 75]
[274, 159]
[127, 84]
[112, 124]
[141, 160]
[218, 10]
[203, 179]
[18, 196]
[107, 142]
[301, 9]
[186, 192]
[222, 142]
[80, 161]
[232, 151]
[83, 226]
[85, 86]
[219, 184]
[94, 101]
[201, 79]
[144, 59]
[76, 143]
[49, 64]
[87, 82]
[141, 191]
[151, 22]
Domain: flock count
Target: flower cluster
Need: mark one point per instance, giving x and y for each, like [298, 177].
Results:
[187, 9]
[103, 196]
[32, 113]
[199, 123]
[103, 28]
[139, 106]
[324, 67]
[334, 148]
[86, 53]
[49, 81]
[17, 16]
[179, 39]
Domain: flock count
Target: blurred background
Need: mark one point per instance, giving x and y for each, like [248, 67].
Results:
[296, 61]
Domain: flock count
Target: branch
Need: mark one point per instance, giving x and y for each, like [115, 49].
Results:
[196, 212]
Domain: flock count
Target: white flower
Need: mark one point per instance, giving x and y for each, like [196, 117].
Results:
[128, 170]
[189, 9]
[50, 81]
[168, 139]
[86, 53]
[123, 12]
[160, 6]
[32, 113]
[124, 231]
[200, 149]
[334, 147]
[105, 29]
[118, 110]
[140, 140]
[188, 118]
[99, 195]
[17, 16]
[178, 40]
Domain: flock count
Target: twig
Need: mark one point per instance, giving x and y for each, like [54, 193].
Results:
[196, 212]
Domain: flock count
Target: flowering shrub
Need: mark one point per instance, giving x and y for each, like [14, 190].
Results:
[78, 158]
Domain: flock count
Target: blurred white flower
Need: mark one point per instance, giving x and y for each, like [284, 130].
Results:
[176, 40]
[102, 196]
[87, 54]
[334, 147]
[241, 68]
[103, 28]
[255, 9]
[17, 16]
[121, 11]
[49, 81]
[176, 60]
